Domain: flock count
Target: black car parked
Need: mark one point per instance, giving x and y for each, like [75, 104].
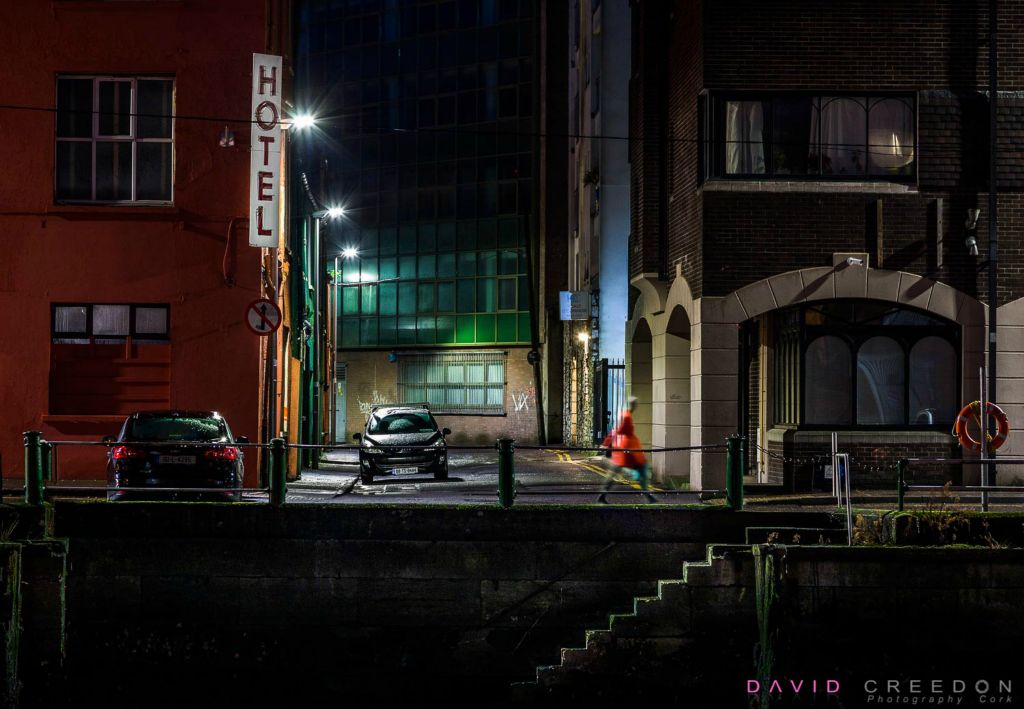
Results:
[391, 426]
[175, 449]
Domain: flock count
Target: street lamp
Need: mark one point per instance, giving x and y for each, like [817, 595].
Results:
[349, 252]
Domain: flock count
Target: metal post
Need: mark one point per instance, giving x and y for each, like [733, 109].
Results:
[901, 485]
[734, 472]
[33, 468]
[506, 472]
[278, 471]
[985, 452]
[993, 231]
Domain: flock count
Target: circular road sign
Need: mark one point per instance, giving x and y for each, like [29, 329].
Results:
[263, 316]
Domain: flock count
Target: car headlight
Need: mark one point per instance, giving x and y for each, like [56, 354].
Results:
[439, 443]
[368, 446]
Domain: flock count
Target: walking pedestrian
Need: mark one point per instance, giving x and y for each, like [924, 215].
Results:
[630, 462]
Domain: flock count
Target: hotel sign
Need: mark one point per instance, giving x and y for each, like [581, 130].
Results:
[265, 157]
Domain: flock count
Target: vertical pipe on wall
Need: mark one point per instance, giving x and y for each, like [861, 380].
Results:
[993, 244]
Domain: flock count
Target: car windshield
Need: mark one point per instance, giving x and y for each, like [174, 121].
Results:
[402, 422]
[177, 428]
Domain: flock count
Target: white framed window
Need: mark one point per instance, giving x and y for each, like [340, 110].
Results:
[454, 382]
[85, 323]
[115, 139]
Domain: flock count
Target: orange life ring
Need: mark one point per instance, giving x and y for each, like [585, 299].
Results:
[973, 410]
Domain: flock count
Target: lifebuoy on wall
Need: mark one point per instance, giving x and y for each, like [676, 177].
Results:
[973, 410]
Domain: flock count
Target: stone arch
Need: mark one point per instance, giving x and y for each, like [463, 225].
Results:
[639, 377]
[671, 396]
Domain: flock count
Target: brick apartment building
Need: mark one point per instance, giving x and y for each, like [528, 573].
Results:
[126, 270]
[802, 174]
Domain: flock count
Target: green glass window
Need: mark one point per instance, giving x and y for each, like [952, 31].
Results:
[446, 237]
[407, 240]
[507, 294]
[428, 266]
[445, 265]
[467, 264]
[407, 267]
[428, 237]
[466, 295]
[506, 327]
[406, 298]
[465, 329]
[350, 300]
[425, 298]
[509, 262]
[445, 297]
[388, 269]
[487, 263]
[485, 300]
[388, 242]
[388, 298]
[369, 300]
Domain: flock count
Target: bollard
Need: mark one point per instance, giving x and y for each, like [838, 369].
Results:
[278, 471]
[46, 457]
[734, 472]
[33, 468]
[506, 472]
[901, 485]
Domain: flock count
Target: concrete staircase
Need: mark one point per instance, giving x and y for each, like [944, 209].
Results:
[695, 631]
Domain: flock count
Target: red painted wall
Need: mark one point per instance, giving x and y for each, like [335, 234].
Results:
[116, 254]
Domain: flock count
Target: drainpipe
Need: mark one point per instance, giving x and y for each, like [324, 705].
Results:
[993, 242]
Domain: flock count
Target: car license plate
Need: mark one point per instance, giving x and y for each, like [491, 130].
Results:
[404, 471]
[177, 460]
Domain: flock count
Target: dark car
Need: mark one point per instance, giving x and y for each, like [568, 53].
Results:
[391, 427]
[175, 449]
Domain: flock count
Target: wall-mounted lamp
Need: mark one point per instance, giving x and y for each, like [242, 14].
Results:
[854, 261]
[349, 252]
[329, 213]
[971, 226]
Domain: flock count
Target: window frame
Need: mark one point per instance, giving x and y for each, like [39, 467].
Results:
[89, 337]
[439, 362]
[131, 137]
[712, 131]
[855, 336]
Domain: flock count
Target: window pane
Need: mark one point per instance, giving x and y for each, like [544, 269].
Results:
[507, 294]
[388, 299]
[445, 265]
[151, 321]
[791, 130]
[445, 297]
[74, 108]
[827, 396]
[933, 381]
[406, 298]
[509, 263]
[369, 300]
[407, 267]
[425, 298]
[154, 172]
[110, 320]
[744, 138]
[113, 171]
[840, 125]
[69, 318]
[154, 108]
[350, 300]
[891, 137]
[427, 266]
[485, 295]
[115, 108]
[74, 170]
[388, 269]
[487, 263]
[467, 264]
[467, 296]
[880, 382]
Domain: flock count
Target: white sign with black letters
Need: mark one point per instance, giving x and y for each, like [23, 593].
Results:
[265, 145]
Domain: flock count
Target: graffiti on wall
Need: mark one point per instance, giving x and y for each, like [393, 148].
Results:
[365, 406]
[521, 400]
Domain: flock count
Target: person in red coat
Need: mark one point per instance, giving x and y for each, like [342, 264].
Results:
[631, 462]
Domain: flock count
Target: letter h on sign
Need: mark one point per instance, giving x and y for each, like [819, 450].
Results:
[265, 156]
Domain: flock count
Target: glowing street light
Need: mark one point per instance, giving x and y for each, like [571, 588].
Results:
[349, 252]
[335, 212]
[303, 121]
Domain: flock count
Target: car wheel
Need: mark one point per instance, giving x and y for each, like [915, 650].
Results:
[441, 473]
[366, 477]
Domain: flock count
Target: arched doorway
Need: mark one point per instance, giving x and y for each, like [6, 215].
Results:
[638, 378]
[670, 375]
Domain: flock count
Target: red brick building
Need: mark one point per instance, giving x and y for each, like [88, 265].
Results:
[126, 268]
[802, 174]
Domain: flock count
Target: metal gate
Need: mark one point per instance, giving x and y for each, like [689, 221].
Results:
[340, 413]
[609, 395]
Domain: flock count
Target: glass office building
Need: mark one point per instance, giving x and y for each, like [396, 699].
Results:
[427, 132]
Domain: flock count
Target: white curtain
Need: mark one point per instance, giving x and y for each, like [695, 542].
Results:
[880, 382]
[840, 125]
[890, 135]
[69, 319]
[744, 138]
